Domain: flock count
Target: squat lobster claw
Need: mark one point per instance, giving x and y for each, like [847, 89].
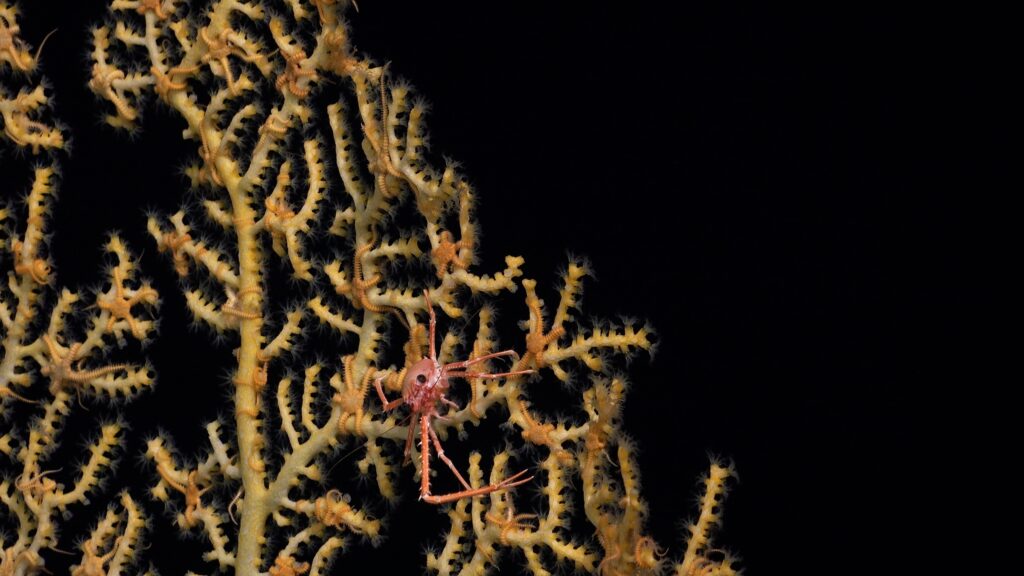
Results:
[423, 390]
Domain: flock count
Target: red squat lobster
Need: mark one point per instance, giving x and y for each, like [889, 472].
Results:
[424, 390]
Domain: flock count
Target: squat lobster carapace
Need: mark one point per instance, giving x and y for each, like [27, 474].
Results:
[424, 388]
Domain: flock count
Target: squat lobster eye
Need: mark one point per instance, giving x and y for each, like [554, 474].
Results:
[421, 378]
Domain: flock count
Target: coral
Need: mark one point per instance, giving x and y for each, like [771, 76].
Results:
[21, 111]
[312, 158]
[58, 353]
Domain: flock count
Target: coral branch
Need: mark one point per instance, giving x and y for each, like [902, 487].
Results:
[55, 346]
[316, 189]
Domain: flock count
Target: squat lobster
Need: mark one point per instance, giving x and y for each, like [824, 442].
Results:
[423, 390]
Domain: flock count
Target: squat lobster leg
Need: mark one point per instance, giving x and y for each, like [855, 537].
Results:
[423, 389]
[469, 492]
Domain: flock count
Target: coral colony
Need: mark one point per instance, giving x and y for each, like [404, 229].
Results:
[282, 164]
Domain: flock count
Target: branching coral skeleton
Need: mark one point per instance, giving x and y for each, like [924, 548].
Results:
[276, 168]
[21, 112]
[46, 361]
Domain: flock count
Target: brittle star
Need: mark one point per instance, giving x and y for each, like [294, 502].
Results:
[512, 522]
[37, 268]
[233, 305]
[191, 491]
[381, 143]
[351, 399]
[173, 242]
[102, 83]
[61, 369]
[164, 85]
[285, 565]
[92, 562]
[154, 6]
[447, 254]
[293, 73]
[278, 213]
[536, 340]
[120, 307]
[37, 486]
[209, 156]
[358, 285]
[218, 50]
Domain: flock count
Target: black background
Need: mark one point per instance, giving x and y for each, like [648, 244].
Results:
[755, 181]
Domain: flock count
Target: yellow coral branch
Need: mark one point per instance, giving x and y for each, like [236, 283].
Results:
[697, 558]
[99, 458]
